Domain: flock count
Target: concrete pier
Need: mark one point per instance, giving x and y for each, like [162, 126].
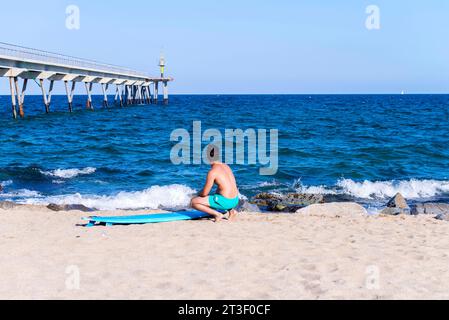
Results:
[46, 68]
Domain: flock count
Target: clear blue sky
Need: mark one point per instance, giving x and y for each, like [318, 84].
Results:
[249, 46]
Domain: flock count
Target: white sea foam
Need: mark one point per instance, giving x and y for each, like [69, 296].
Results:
[315, 190]
[273, 183]
[243, 197]
[6, 183]
[22, 193]
[178, 196]
[69, 173]
[411, 189]
[172, 197]
[263, 184]
[301, 188]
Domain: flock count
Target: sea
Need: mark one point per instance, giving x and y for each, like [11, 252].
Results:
[364, 148]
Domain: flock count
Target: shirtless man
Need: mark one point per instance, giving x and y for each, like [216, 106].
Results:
[227, 194]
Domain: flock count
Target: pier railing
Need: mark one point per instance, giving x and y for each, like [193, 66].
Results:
[24, 53]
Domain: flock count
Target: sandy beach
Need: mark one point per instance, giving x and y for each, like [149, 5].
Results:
[285, 256]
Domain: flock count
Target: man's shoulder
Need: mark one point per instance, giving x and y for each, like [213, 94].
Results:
[218, 168]
[221, 165]
[213, 171]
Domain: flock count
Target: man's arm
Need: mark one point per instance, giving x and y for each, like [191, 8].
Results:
[209, 184]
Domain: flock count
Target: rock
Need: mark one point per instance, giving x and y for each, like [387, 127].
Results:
[430, 208]
[290, 202]
[55, 207]
[279, 207]
[7, 205]
[303, 199]
[398, 201]
[443, 217]
[69, 207]
[264, 199]
[396, 206]
[392, 211]
[334, 210]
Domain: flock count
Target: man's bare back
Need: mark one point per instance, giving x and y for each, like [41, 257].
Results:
[226, 197]
[225, 180]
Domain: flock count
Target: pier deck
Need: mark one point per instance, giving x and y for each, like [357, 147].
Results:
[131, 87]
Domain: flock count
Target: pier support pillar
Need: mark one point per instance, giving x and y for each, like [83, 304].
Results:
[70, 94]
[47, 98]
[20, 95]
[143, 99]
[116, 95]
[105, 96]
[120, 96]
[89, 104]
[13, 97]
[145, 95]
[165, 92]
[156, 92]
[44, 96]
[149, 94]
[139, 92]
[134, 91]
[50, 92]
[128, 95]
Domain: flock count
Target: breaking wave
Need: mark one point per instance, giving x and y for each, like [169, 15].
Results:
[177, 196]
[69, 173]
[412, 189]
[156, 197]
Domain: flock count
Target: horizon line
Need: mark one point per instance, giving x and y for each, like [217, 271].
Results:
[262, 94]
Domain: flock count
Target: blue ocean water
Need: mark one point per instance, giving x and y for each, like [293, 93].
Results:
[366, 147]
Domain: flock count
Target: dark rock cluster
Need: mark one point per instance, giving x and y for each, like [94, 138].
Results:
[398, 205]
[288, 203]
[293, 202]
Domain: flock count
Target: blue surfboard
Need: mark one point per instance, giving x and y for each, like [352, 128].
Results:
[144, 219]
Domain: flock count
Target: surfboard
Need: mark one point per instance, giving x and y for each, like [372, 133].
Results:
[144, 219]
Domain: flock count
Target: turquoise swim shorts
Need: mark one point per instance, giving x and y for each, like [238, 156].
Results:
[218, 202]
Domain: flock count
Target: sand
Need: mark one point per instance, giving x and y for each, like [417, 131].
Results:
[45, 255]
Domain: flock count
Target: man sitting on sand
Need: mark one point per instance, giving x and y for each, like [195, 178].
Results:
[227, 194]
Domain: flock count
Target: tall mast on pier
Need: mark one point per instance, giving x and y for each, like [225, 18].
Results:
[162, 64]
